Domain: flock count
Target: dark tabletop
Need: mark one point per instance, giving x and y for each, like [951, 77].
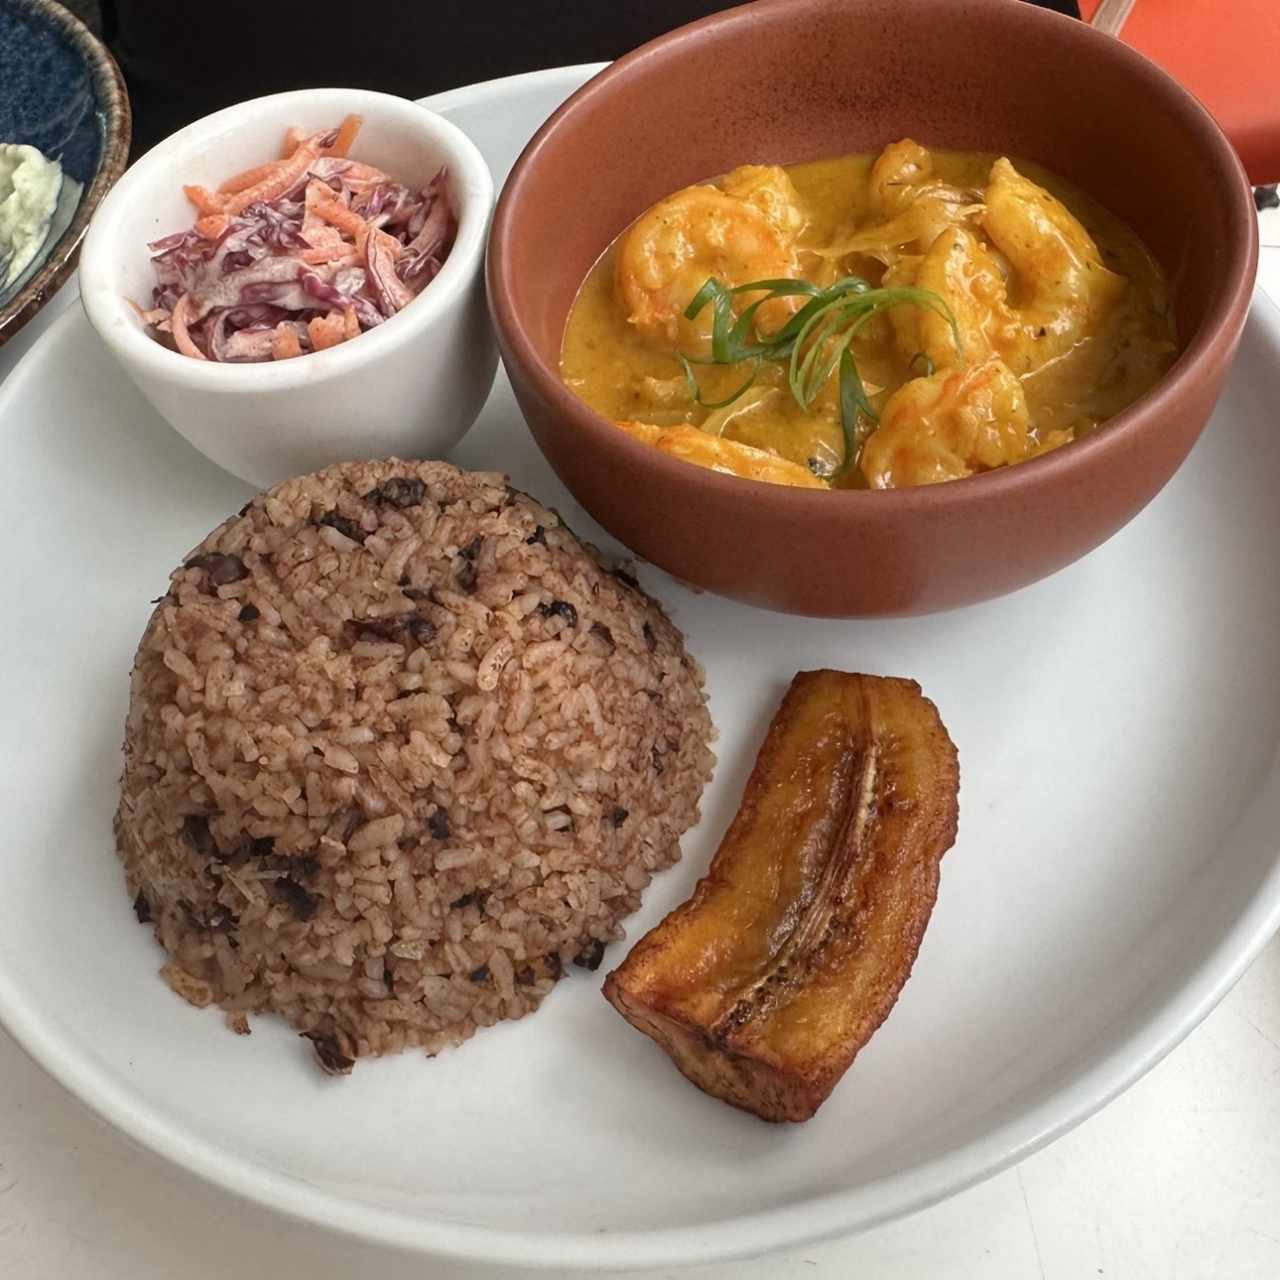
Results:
[183, 60]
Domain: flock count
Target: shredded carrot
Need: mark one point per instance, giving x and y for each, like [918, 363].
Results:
[336, 214]
[363, 231]
[249, 178]
[284, 176]
[327, 331]
[181, 338]
[212, 225]
[347, 131]
[284, 342]
[155, 317]
[205, 200]
[338, 254]
[357, 173]
[326, 240]
[338, 231]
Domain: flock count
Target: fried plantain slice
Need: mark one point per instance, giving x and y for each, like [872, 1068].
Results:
[795, 945]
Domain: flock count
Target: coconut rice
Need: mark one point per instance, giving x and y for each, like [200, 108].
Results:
[400, 749]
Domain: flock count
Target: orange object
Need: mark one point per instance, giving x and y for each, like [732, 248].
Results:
[336, 214]
[178, 323]
[327, 331]
[293, 139]
[282, 177]
[347, 131]
[249, 178]
[284, 342]
[1227, 52]
[205, 201]
[212, 225]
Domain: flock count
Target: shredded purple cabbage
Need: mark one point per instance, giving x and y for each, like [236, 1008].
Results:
[254, 279]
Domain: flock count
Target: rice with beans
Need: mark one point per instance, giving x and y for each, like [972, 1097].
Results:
[400, 750]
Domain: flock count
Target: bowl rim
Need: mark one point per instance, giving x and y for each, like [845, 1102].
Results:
[1223, 320]
[473, 188]
[117, 131]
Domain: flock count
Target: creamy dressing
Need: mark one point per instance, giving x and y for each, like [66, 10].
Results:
[30, 185]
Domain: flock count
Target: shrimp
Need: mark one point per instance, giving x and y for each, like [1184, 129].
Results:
[1061, 293]
[912, 209]
[967, 277]
[899, 167]
[726, 456]
[768, 187]
[948, 426]
[668, 254]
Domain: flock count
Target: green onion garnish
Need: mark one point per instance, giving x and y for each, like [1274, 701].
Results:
[816, 340]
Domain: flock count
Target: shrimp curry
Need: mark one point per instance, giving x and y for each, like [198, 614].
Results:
[870, 321]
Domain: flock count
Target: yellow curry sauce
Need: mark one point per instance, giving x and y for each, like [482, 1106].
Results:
[1061, 318]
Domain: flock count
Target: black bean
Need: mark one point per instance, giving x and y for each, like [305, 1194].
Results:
[649, 638]
[259, 848]
[348, 528]
[249, 613]
[476, 898]
[601, 632]
[222, 921]
[142, 908]
[618, 817]
[374, 629]
[220, 569]
[303, 866]
[292, 895]
[466, 575]
[399, 491]
[560, 609]
[1266, 197]
[472, 549]
[479, 975]
[422, 630]
[438, 825]
[537, 538]
[329, 1052]
[590, 955]
[195, 831]
[628, 579]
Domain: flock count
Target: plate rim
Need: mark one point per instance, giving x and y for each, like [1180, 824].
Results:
[1039, 1122]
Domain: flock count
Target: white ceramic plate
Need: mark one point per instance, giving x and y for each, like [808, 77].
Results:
[1115, 872]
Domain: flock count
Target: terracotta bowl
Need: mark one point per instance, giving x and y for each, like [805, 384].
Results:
[793, 80]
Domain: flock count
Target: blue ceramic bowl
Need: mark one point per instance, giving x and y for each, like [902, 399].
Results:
[60, 91]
